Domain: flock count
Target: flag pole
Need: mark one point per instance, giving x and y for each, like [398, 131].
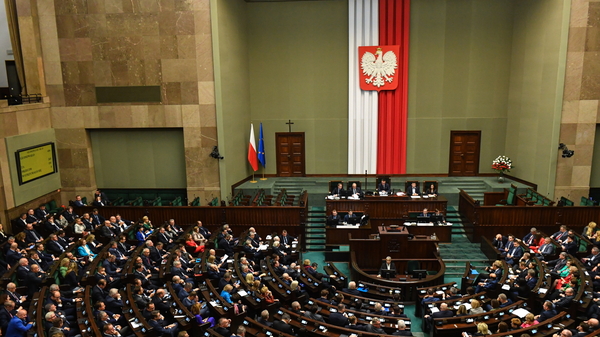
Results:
[263, 174]
[253, 181]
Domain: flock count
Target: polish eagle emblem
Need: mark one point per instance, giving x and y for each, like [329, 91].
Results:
[378, 68]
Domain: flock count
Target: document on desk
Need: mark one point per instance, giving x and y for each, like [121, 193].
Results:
[415, 196]
[263, 247]
[520, 312]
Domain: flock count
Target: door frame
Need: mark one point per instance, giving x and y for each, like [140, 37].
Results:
[302, 134]
[452, 132]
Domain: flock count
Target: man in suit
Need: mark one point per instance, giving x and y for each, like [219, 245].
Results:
[7, 311]
[12, 255]
[284, 325]
[514, 254]
[565, 299]
[50, 225]
[31, 218]
[350, 217]
[11, 292]
[222, 327]
[547, 312]
[97, 219]
[53, 247]
[31, 235]
[203, 230]
[444, 312]
[339, 318]
[557, 264]
[226, 244]
[313, 312]
[387, 267]
[161, 303]
[22, 269]
[286, 239]
[338, 191]
[113, 301]
[264, 318]
[383, 186]
[41, 213]
[402, 329]
[593, 260]
[69, 215]
[569, 245]
[530, 238]
[78, 202]
[98, 292]
[489, 284]
[334, 218]
[351, 289]
[375, 327]
[561, 235]
[162, 237]
[413, 189]
[352, 324]
[102, 196]
[545, 249]
[18, 325]
[355, 190]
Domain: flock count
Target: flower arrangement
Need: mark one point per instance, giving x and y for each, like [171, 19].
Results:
[502, 164]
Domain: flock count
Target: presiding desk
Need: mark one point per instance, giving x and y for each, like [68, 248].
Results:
[388, 210]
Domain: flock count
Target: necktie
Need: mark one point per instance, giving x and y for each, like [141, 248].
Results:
[35, 236]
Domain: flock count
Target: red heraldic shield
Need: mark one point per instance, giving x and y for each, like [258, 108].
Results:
[378, 67]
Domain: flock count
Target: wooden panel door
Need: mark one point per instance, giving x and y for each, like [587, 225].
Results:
[464, 153]
[290, 154]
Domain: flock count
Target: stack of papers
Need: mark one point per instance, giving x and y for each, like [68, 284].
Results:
[263, 247]
[520, 312]
[415, 196]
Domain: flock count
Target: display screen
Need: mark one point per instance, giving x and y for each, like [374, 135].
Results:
[35, 162]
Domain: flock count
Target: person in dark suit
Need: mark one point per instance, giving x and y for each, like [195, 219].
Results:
[350, 217]
[313, 312]
[227, 244]
[351, 289]
[339, 318]
[98, 202]
[97, 219]
[387, 267]
[353, 324]
[514, 254]
[547, 312]
[531, 238]
[12, 255]
[565, 299]
[69, 215]
[569, 245]
[284, 325]
[222, 327]
[413, 189]
[545, 249]
[34, 279]
[334, 217]
[425, 213]
[338, 191]
[113, 301]
[355, 190]
[431, 190]
[41, 213]
[78, 202]
[98, 293]
[592, 260]
[264, 318]
[102, 196]
[375, 327]
[159, 325]
[561, 235]
[499, 242]
[31, 235]
[384, 186]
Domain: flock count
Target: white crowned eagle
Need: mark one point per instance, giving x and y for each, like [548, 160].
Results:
[378, 68]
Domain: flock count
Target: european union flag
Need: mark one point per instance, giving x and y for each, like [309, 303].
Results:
[261, 148]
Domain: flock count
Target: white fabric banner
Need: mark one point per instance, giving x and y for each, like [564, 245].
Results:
[362, 105]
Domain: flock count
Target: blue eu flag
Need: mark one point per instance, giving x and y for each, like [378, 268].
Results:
[261, 148]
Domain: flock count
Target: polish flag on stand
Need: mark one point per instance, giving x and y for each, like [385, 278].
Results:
[252, 157]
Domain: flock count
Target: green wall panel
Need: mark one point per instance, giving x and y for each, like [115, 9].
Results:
[134, 158]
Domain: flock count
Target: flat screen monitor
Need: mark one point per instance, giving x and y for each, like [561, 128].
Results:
[423, 219]
[419, 273]
[437, 218]
[388, 273]
[332, 223]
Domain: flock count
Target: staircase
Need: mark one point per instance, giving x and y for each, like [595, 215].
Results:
[315, 229]
[461, 250]
[475, 188]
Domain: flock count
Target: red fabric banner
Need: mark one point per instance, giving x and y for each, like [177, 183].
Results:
[394, 29]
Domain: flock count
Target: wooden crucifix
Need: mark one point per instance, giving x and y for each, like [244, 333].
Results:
[289, 123]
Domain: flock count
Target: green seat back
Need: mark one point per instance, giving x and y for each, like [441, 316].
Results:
[529, 193]
[546, 202]
[510, 200]
[584, 201]
[84, 200]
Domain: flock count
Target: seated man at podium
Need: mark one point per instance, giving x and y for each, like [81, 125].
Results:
[355, 190]
[413, 189]
[431, 190]
[425, 213]
[387, 269]
[384, 186]
[334, 218]
[350, 218]
[338, 191]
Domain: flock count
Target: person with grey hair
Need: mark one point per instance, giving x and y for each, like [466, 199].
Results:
[387, 269]
[375, 327]
[402, 329]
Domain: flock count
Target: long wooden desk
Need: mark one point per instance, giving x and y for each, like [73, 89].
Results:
[388, 208]
[339, 236]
